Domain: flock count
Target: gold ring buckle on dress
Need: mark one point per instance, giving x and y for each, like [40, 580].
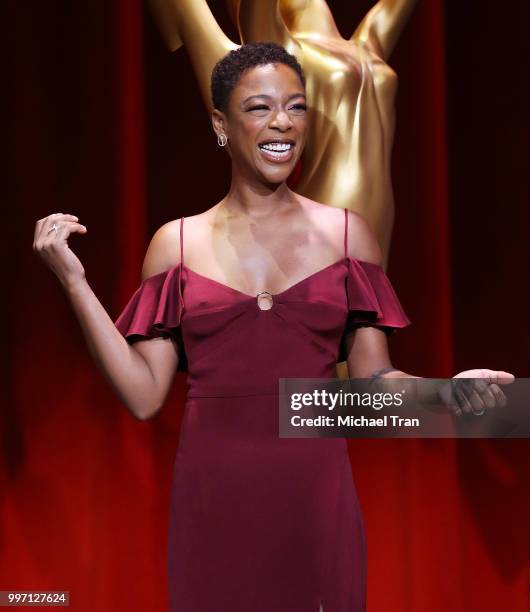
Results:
[265, 303]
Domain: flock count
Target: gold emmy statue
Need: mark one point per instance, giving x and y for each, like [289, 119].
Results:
[350, 89]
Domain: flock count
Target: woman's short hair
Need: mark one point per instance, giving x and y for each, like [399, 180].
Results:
[228, 70]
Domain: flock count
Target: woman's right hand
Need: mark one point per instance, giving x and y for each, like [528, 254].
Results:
[53, 247]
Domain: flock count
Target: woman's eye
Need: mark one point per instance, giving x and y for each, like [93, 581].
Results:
[300, 106]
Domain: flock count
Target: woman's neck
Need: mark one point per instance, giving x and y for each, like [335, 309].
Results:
[256, 199]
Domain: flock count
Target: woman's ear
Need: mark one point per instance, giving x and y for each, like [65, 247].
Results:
[218, 122]
[220, 126]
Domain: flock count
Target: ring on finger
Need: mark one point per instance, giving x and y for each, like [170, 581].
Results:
[54, 227]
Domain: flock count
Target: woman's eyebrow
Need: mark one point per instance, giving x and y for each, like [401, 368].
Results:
[294, 95]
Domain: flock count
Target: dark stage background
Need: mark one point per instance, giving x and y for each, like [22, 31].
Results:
[103, 122]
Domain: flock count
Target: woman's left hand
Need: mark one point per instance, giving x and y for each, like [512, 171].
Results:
[477, 395]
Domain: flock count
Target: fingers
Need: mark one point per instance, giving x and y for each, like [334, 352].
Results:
[43, 226]
[463, 394]
[480, 397]
[40, 222]
[56, 227]
[501, 377]
[498, 393]
[51, 245]
[483, 395]
[473, 396]
[60, 235]
[447, 394]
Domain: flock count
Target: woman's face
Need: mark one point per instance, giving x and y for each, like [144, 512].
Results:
[265, 122]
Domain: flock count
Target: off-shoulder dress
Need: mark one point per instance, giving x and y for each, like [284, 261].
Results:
[259, 523]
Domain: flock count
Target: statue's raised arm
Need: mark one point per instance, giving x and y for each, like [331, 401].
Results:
[261, 21]
[191, 23]
[383, 24]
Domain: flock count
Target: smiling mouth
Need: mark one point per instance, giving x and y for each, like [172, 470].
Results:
[277, 151]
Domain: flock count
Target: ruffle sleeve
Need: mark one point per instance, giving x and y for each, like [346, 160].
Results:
[155, 311]
[372, 301]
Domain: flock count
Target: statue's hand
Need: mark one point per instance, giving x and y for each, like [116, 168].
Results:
[464, 396]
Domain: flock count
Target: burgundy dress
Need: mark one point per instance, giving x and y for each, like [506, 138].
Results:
[259, 523]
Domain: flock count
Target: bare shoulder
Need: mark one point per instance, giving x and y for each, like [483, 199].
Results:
[362, 243]
[163, 251]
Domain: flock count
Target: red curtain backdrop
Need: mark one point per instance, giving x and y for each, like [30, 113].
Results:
[103, 122]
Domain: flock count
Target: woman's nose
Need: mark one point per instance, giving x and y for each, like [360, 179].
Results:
[281, 120]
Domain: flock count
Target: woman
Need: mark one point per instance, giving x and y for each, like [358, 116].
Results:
[350, 88]
[265, 284]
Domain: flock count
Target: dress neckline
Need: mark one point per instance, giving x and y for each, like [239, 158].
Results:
[274, 295]
[343, 259]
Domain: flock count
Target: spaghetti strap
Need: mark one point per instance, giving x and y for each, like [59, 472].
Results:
[181, 244]
[345, 232]
[181, 299]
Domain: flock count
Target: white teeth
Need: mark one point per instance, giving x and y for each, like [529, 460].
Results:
[276, 146]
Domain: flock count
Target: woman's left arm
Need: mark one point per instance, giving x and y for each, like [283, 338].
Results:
[367, 350]
[367, 346]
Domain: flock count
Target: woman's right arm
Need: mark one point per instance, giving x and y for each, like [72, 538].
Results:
[141, 373]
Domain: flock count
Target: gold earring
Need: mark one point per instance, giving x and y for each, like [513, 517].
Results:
[222, 139]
